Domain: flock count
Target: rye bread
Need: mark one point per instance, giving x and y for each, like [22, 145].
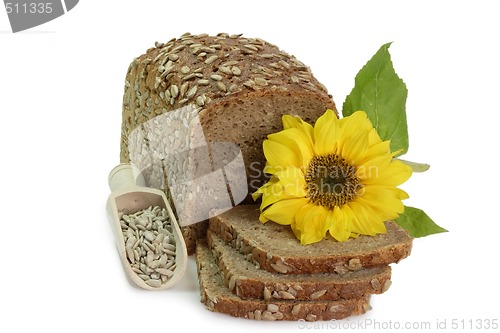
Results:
[273, 247]
[218, 298]
[247, 281]
[240, 88]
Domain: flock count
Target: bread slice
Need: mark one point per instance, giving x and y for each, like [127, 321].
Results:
[245, 280]
[273, 247]
[218, 298]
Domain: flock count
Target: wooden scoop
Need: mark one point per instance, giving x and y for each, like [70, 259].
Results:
[129, 197]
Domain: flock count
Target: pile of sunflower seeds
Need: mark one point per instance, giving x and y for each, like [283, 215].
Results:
[150, 244]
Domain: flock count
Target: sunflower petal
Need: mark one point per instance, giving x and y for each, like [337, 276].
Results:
[357, 121]
[399, 193]
[354, 140]
[367, 221]
[271, 169]
[297, 141]
[309, 226]
[372, 169]
[381, 148]
[287, 184]
[257, 194]
[274, 194]
[283, 212]
[374, 137]
[393, 174]
[296, 122]
[357, 225]
[339, 221]
[279, 155]
[354, 149]
[326, 117]
[326, 133]
[308, 213]
[397, 152]
[382, 200]
[293, 182]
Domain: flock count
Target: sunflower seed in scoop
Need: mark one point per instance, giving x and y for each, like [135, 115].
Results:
[149, 244]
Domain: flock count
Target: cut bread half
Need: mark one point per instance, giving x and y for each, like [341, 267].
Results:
[273, 247]
[238, 87]
[218, 298]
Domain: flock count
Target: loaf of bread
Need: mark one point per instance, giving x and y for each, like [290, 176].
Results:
[238, 88]
[246, 280]
[218, 298]
[273, 247]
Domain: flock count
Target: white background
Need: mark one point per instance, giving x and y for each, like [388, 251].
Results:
[61, 88]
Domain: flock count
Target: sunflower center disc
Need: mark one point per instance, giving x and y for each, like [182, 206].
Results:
[331, 181]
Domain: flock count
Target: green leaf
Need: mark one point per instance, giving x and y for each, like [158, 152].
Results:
[380, 92]
[416, 167]
[418, 223]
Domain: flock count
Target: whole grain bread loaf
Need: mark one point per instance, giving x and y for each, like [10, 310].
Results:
[218, 298]
[273, 247]
[239, 87]
[248, 281]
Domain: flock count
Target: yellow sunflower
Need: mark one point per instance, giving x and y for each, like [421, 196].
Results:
[337, 177]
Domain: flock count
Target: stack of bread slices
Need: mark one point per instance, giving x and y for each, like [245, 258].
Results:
[260, 271]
